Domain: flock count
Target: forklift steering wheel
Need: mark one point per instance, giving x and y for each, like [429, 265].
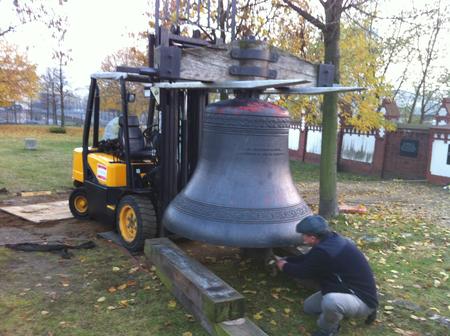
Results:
[148, 134]
[151, 137]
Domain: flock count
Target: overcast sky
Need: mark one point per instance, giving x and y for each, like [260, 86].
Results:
[97, 28]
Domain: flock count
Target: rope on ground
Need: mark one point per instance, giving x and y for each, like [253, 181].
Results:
[61, 249]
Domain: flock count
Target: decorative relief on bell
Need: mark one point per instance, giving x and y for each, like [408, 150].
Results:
[240, 215]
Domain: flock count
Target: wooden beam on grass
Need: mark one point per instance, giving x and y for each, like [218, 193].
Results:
[211, 298]
[219, 308]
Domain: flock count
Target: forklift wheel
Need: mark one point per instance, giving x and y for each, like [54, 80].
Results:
[136, 221]
[78, 203]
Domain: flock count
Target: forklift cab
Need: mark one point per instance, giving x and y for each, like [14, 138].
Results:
[139, 148]
[115, 177]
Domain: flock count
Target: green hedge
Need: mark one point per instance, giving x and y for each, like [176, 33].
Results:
[57, 129]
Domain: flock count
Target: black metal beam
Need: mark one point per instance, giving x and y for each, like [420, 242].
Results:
[151, 64]
[169, 147]
[96, 116]
[166, 38]
[87, 125]
[196, 103]
[146, 71]
[200, 19]
[184, 139]
[123, 93]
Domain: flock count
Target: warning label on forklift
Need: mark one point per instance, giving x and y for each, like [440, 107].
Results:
[101, 172]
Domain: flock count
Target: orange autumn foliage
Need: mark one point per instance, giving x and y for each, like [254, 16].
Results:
[18, 77]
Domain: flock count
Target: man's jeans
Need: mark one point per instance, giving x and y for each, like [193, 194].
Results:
[333, 307]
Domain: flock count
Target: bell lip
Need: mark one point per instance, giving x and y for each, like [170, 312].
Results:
[231, 234]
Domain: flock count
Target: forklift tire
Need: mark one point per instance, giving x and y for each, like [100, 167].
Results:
[136, 221]
[78, 203]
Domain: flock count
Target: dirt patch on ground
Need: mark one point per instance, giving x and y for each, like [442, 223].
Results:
[14, 230]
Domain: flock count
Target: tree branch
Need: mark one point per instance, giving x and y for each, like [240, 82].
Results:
[351, 18]
[349, 4]
[4, 32]
[408, 17]
[311, 19]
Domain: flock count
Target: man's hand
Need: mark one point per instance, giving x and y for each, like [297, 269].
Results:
[280, 264]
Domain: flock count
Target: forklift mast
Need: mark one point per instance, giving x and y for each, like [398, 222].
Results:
[181, 110]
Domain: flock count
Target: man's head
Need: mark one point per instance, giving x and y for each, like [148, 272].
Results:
[314, 228]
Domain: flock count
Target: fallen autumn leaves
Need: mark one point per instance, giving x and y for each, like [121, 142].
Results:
[405, 235]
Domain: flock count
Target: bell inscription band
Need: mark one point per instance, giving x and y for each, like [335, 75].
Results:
[241, 193]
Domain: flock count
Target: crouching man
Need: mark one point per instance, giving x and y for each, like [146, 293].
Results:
[347, 285]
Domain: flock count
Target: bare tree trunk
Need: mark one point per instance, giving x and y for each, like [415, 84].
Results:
[31, 108]
[47, 98]
[416, 97]
[15, 112]
[423, 104]
[61, 94]
[427, 60]
[328, 157]
[403, 79]
[55, 117]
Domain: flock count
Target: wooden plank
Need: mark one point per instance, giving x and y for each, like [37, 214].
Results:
[239, 84]
[203, 293]
[315, 90]
[239, 327]
[352, 209]
[212, 64]
[35, 193]
[41, 212]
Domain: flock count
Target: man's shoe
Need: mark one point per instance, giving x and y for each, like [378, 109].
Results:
[323, 332]
[372, 317]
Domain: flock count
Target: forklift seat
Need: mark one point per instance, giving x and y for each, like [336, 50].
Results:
[138, 151]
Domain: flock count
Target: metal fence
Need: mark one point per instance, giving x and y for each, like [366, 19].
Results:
[210, 16]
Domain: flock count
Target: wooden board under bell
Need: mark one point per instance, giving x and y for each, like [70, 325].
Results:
[41, 212]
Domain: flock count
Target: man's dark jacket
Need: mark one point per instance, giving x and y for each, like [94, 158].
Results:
[339, 267]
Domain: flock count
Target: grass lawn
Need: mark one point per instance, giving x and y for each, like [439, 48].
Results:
[308, 172]
[50, 166]
[98, 292]
[47, 168]
[102, 292]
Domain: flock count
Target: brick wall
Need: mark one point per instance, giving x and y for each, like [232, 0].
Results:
[388, 161]
[399, 165]
[312, 158]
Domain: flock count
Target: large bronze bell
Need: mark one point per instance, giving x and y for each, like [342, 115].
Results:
[241, 193]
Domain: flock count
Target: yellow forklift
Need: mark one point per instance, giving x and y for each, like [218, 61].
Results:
[114, 178]
[129, 180]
